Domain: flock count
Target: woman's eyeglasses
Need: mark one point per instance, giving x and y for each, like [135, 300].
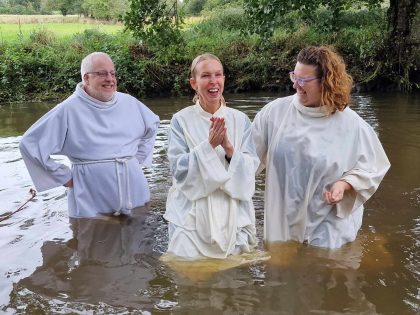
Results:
[300, 81]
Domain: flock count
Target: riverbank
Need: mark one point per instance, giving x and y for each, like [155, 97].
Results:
[43, 66]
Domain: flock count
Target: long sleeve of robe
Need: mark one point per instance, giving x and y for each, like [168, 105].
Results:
[305, 151]
[210, 202]
[108, 143]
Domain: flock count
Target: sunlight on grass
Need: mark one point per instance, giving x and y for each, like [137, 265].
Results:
[13, 32]
[16, 27]
[192, 20]
[54, 18]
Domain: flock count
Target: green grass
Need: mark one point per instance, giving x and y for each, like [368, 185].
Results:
[14, 32]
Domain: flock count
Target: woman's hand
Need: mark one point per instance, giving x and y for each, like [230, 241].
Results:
[217, 131]
[217, 123]
[69, 184]
[227, 146]
[336, 193]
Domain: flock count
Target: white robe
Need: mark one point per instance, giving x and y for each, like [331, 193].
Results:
[209, 205]
[107, 142]
[305, 151]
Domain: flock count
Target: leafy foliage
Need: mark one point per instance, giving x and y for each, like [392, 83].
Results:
[229, 19]
[194, 7]
[105, 9]
[264, 14]
[99, 9]
[154, 22]
[19, 6]
[211, 5]
[44, 66]
[64, 6]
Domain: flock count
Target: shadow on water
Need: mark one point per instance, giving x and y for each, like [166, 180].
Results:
[50, 264]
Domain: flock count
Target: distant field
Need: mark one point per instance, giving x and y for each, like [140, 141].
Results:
[12, 27]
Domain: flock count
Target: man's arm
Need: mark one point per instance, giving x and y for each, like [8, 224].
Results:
[43, 139]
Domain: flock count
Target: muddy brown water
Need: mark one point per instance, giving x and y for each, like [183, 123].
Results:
[52, 265]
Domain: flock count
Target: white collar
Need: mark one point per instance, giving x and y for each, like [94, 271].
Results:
[80, 91]
[220, 112]
[316, 112]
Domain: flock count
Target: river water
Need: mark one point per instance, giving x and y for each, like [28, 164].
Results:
[52, 265]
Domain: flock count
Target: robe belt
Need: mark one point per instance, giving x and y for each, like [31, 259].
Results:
[118, 161]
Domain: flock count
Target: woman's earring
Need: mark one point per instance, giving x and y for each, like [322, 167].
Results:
[196, 97]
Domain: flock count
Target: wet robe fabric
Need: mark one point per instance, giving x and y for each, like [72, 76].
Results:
[209, 206]
[107, 143]
[305, 151]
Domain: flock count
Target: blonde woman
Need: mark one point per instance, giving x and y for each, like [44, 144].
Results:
[213, 162]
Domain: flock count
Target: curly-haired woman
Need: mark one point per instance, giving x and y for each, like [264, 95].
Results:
[322, 160]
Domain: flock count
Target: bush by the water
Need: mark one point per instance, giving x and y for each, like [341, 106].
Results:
[43, 66]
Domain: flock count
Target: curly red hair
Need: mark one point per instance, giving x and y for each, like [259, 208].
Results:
[336, 83]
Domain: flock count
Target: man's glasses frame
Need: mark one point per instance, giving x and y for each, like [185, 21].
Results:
[103, 74]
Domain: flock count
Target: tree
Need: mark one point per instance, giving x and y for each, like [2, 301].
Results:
[263, 14]
[154, 22]
[398, 62]
[25, 6]
[403, 44]
[106, 9]
[194, 7]
[36, 5]
[64, 6]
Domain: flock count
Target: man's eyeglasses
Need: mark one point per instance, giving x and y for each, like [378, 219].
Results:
[103, 74]
[300, 81]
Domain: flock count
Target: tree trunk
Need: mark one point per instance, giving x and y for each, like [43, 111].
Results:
[404, 43]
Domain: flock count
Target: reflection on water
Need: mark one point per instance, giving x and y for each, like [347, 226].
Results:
[107, 260]
[50, 264]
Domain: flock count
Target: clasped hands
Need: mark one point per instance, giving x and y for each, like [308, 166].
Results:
[218, 135]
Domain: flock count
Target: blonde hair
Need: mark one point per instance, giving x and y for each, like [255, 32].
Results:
[336, 83]
[195, 62]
